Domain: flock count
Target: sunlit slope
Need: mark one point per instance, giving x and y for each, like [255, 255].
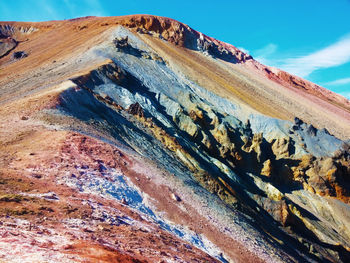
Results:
[227, 72]
[152, 141]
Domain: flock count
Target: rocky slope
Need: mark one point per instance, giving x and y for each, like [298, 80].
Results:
[139, 139]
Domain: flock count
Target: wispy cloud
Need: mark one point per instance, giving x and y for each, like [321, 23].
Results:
[264, 54]
[334, 55]
[338, 82]
[72, 9]
[84, 8]
[48, 9]
[96, 7]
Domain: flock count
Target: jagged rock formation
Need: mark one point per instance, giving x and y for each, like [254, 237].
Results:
[164, 134]
[6, 45]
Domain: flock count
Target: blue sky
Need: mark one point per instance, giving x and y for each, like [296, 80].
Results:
[310, 38]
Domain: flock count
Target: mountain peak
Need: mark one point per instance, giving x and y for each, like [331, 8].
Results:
[142, 136]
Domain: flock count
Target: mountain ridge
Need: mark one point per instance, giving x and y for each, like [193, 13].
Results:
[105, 110]
[292, 83]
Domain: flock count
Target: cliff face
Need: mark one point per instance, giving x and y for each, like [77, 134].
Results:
[151, 141]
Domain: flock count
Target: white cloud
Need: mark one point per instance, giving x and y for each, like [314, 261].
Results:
[334, 55]
[338, 82]
[262, 55]
[266, 51]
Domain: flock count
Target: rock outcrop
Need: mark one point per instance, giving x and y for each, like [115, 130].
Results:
[153, 142]
[7, 45]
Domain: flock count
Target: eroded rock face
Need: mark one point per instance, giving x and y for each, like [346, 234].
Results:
[145, 153]
[230, 150]
[184, 36]
[168, 29]
[8, 30]
[330, 176]
[7, 45]
[10, 36]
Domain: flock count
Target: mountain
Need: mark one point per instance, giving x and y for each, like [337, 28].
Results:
[139, 139]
